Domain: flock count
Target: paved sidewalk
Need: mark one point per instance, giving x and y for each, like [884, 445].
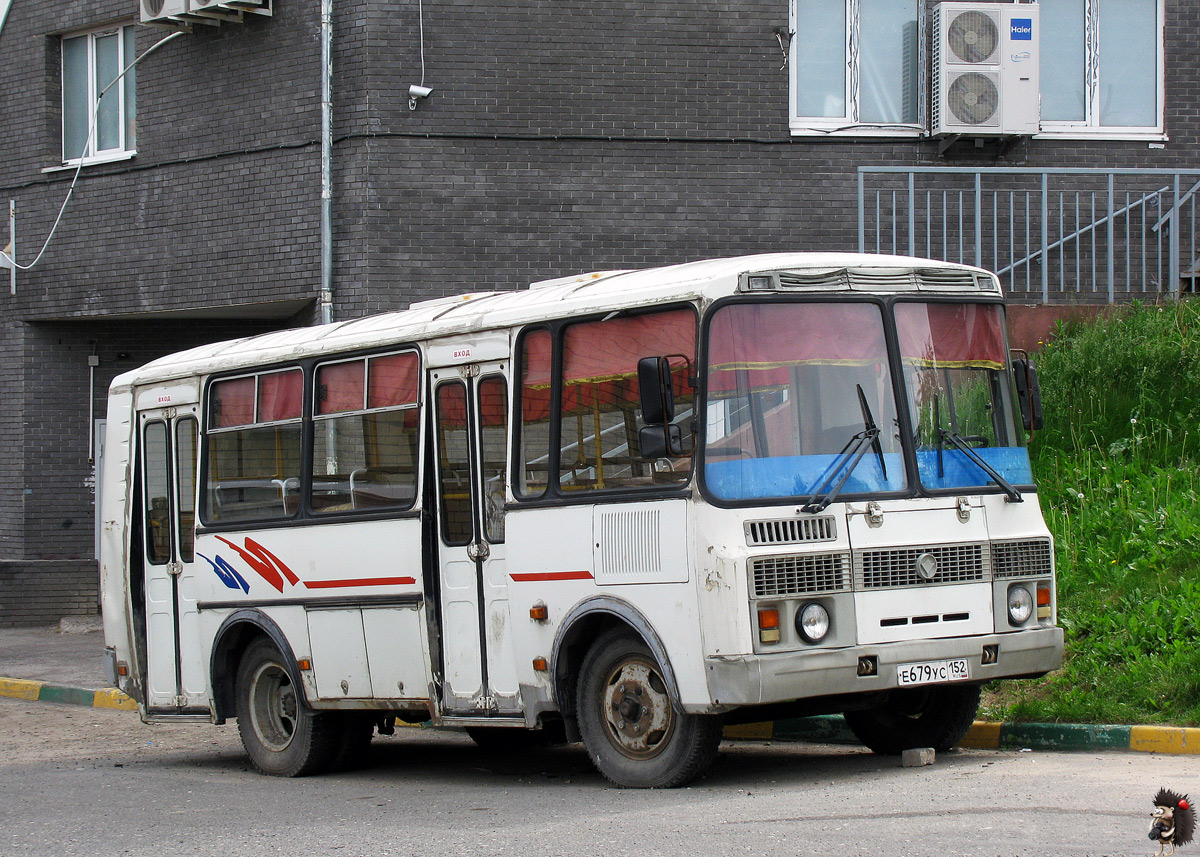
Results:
[65, 664]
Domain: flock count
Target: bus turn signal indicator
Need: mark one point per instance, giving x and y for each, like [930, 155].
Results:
[768, 625]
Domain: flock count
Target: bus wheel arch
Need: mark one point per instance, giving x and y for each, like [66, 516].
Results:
[636, 734]
[580, 628]
[607, 649]
[237, 633]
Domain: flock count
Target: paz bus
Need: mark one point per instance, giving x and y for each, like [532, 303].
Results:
[624, 507]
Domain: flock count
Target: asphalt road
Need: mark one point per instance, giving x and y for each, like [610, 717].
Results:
[76, 781]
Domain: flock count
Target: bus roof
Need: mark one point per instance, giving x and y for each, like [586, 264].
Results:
[558, 298]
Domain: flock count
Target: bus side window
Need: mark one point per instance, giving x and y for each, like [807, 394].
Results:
[157, 482]
[600, 403]
[365, 434]
[493, 444]
[186, 434]
[534, 444]
[254, 433]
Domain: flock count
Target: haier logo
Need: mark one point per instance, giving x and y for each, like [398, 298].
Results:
[1022, 30]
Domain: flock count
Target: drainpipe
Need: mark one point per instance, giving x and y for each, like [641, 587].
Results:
[326, 300]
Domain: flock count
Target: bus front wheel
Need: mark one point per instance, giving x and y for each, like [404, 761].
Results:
[280, 735]
[633, 733]
[936, 716]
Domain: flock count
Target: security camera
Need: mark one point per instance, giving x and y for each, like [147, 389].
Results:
[416, 91]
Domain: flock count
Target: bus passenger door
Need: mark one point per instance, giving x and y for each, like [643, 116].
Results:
[471, 445]
[176, 678]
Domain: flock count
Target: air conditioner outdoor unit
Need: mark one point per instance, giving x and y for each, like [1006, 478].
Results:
[162, 10]
[985, 69]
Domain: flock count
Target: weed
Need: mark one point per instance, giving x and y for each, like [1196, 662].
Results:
[1117, 469]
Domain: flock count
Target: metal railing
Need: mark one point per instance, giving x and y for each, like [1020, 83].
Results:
[1068, 235]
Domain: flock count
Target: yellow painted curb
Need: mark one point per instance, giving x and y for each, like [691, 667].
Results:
[19, 688]
[982, 736]
[1164, 739]
[113, 698]
[752, 731]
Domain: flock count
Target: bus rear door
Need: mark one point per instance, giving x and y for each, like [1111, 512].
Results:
[168, 444]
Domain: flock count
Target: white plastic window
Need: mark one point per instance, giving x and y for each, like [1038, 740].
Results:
[98, 124]
[857, 67]
[1102, 67]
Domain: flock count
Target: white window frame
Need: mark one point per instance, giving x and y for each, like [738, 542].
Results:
[1089, 127]
[849, 126]
[91, 155]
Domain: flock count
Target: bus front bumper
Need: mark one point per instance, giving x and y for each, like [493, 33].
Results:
[758, 679]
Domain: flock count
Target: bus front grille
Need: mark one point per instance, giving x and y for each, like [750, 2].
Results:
[1029, 558]
[910, 566]
[799, 574]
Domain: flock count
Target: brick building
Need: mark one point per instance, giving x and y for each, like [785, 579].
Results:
[560, 136]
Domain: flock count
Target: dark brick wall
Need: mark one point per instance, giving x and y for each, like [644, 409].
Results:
[40, 593]
[562, 135]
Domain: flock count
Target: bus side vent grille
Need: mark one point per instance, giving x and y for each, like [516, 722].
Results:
[801, 574]
[630, 545]
[791, 531]
[891, 569]
[1032, 558]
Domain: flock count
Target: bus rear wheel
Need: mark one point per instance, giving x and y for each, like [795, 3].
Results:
[280, 735]
[633, 733]
[936, 716]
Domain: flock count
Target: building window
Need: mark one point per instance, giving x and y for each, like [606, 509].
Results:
[95, 127]
[1102, 67]
[857, 67]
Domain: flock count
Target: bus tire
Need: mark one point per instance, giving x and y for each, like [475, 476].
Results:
[633, 733]
[936, 716]
[282, 738]
[353, 742]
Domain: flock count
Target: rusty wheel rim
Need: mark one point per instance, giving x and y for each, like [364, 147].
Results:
[636, 709]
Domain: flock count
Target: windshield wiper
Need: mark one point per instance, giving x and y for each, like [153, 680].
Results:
[956, 440]
[869, 425]
[848, 459]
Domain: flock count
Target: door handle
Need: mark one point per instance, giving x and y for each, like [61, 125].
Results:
[478, 551]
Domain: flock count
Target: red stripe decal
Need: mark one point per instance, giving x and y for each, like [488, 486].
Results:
[553, 575]
[362, 581]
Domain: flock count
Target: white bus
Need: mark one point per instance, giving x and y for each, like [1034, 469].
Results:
[623, 507]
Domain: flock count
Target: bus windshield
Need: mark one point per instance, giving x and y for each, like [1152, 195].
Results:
[960, 396]
[800, 403]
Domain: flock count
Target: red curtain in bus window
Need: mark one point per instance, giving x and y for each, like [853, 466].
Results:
[769, 339]
[392, 380]
[232, 403]
[951, 335]
[493, 403]
[535, 376]
[604, 355]
[280, 396]
[340, 387]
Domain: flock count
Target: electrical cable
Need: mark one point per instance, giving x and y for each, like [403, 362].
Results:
[421, 36]
[86, 143]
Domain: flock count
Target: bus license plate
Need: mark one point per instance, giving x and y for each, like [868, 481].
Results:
[932, 672]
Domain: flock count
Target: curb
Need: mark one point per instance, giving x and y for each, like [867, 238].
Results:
[43, 691]
[826, 729]
[984, 735]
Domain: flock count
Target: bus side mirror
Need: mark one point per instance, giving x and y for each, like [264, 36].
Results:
[655, 391]
[1029, 394]
[659, 438]
[660, 441]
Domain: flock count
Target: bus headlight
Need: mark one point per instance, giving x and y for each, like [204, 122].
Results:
[812, 622]
[1020, 605]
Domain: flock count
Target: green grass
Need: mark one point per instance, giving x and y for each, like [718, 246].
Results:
[1117, 470]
